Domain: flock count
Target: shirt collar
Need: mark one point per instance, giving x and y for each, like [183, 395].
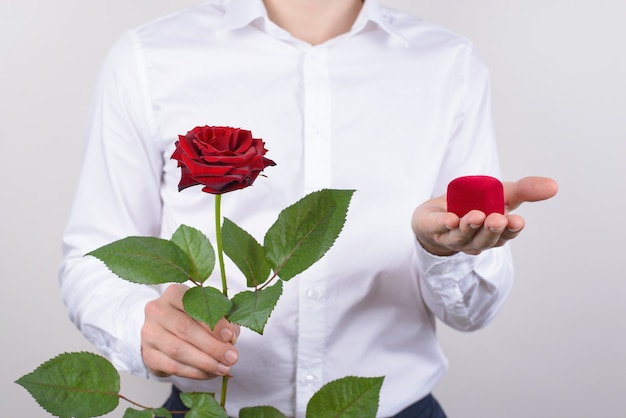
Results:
[241, 13]
[373, 12]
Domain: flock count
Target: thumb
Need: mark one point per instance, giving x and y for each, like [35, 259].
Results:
[529, 189]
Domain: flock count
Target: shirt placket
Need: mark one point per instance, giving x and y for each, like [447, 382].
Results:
[317, 173]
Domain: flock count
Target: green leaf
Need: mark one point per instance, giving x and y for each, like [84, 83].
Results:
[348, 397]
[147, 413]
[199, 251]
[261, 412]
[162, 413]
[206, 304]
[202, 405]
[79, 385]
[252, 309]
[145, 260]
[247, 254]
[305, 231]
[134, 413]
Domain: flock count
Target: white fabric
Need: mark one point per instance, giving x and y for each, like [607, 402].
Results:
[395, 109]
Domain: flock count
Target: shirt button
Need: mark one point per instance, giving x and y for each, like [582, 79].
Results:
[309, 379]
[312, 294]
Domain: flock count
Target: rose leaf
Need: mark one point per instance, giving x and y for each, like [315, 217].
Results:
[199, 251]
[305, 231]
[77, 385]
[161, 412]
[147, 413]
[202, 405]
[252, 309]
[261, 412]
[206, 304]
[348, 397]
[145, 260]
[247, 254]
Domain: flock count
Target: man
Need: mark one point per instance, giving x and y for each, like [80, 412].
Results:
[346, 94]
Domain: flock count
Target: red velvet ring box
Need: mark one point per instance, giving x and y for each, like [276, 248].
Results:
[483, 193]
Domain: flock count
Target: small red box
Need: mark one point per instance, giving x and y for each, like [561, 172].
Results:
[483, 193]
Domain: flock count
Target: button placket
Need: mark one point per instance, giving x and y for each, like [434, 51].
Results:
[317, 174]
[312, 294]
[317, 120]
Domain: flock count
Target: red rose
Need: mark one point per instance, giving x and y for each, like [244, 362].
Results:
[222, 159]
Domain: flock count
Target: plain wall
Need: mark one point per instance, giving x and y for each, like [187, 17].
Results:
[557, 349]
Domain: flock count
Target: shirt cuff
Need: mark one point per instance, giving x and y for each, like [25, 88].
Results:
[465, 290]
[124, 352]
[456, 265]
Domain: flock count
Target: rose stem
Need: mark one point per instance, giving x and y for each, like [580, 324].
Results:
[220, 250]
[220, 255]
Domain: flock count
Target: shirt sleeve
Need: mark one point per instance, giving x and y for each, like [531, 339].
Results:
[466, 291]
[118, 195]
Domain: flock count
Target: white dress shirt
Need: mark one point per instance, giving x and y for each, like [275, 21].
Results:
[395, 109]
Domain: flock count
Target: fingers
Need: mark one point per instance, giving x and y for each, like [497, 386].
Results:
[529, 189]
[431, 222]
[476, 233]
[175, 344]
[497, 230]
[226, 331]
[442, 233]
[480, 232]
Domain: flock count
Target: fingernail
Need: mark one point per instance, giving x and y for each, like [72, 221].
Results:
[514, 229]
[231, 356]
[226, 334]
[223, 369]
[474, 226]
[496, 229]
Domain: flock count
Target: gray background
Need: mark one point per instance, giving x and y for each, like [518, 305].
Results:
[558, 348]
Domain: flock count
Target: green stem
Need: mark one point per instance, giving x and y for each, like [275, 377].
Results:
[224, 386]
[220, 249]
[220, 255]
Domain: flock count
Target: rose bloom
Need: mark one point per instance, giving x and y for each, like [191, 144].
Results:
[221, 158]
